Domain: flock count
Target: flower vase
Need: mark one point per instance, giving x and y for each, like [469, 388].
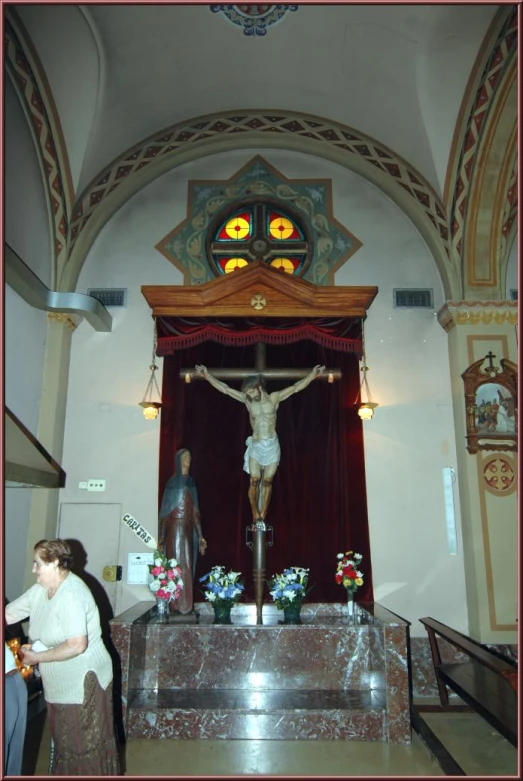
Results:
[222, 614]
[350, 605]
[291, 614]
[162, 606]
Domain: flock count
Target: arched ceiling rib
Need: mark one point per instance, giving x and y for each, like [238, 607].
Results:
[387, 70]
[261, 130]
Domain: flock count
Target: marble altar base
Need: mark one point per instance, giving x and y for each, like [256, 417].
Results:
[323, 679]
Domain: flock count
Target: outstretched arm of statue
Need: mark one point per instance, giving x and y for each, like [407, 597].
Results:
[298, 386]
[218, 384]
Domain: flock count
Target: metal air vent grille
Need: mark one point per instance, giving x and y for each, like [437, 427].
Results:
[414, 298]
[109, 296]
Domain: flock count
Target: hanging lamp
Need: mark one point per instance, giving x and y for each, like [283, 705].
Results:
[365, 409]
[152, 408]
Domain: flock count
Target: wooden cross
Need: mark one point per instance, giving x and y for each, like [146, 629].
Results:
[260, 367]
[491, 370]
[259, 528]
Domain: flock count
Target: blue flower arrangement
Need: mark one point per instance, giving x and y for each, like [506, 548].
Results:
[289, 588]
[222, 588]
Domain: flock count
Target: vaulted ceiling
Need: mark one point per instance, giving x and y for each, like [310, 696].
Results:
[120, 73]
[419, 99]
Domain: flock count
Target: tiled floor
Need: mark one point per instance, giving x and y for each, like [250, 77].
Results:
[477, 748]
[262, 757]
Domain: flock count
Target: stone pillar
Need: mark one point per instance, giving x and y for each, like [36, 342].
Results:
[489, 511]
[43, 522]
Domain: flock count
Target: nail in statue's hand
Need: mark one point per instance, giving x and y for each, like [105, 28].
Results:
[201, 369]
[203, 546]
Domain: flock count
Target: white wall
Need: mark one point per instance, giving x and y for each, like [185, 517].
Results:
[26, 229]
[26, 223]
[24, 350]
[407, 443]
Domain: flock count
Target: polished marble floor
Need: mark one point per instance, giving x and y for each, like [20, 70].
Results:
[477, 748]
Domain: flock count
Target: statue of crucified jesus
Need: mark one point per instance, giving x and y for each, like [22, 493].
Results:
[263, 448]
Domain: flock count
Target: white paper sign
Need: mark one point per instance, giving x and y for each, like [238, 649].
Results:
[140, 532]
[138, 568]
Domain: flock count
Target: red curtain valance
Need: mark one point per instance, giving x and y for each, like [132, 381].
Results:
[177, 333]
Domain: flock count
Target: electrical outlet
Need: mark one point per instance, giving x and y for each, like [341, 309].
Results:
[96, 485]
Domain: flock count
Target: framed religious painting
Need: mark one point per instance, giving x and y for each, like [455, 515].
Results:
[491, 400]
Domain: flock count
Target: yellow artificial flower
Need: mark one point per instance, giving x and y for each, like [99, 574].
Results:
[359, 581]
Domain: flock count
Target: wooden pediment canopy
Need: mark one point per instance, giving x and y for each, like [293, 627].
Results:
[258, 290]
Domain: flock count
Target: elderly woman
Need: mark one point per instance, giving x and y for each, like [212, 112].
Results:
[76, 669]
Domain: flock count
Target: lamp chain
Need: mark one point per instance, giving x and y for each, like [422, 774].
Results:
[364, 368]
[153, 367]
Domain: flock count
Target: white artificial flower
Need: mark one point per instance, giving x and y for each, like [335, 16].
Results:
[154, 585]
[358, 556]
[158, 563]
[180, 582]
[234, 576]
[289, 594]
[210, 595]
[359, 574]
[339, 555]
[172, 563]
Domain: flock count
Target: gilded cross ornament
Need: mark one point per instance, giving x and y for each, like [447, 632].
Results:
[258, 301]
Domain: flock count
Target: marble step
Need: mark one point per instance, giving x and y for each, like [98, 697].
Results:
[237, 714]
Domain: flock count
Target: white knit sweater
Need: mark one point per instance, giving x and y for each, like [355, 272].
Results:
[72, 612]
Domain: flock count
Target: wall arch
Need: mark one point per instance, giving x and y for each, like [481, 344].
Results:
[213, 134]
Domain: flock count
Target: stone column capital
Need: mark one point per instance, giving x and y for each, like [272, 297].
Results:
[69, 319]
[470, 313]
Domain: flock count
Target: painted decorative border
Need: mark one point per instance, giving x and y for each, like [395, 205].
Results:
[495, 626]
[455, 313]
[25, 76]
[242, 122]
[492, 77]
[312, 198]
[510, 210]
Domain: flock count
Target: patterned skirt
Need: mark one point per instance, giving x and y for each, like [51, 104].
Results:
[83, 735]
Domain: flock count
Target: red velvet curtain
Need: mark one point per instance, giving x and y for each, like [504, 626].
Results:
[318, 505]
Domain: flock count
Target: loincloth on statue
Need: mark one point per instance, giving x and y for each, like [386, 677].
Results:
[264, 451]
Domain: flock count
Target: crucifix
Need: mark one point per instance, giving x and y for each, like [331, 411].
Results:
[263, 451]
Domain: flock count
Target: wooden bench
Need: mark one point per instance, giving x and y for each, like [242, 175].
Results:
[486, 683]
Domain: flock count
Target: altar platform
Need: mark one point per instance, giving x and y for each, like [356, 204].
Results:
[323, 679]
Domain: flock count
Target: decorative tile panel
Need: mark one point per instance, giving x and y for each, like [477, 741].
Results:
[184, 246]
